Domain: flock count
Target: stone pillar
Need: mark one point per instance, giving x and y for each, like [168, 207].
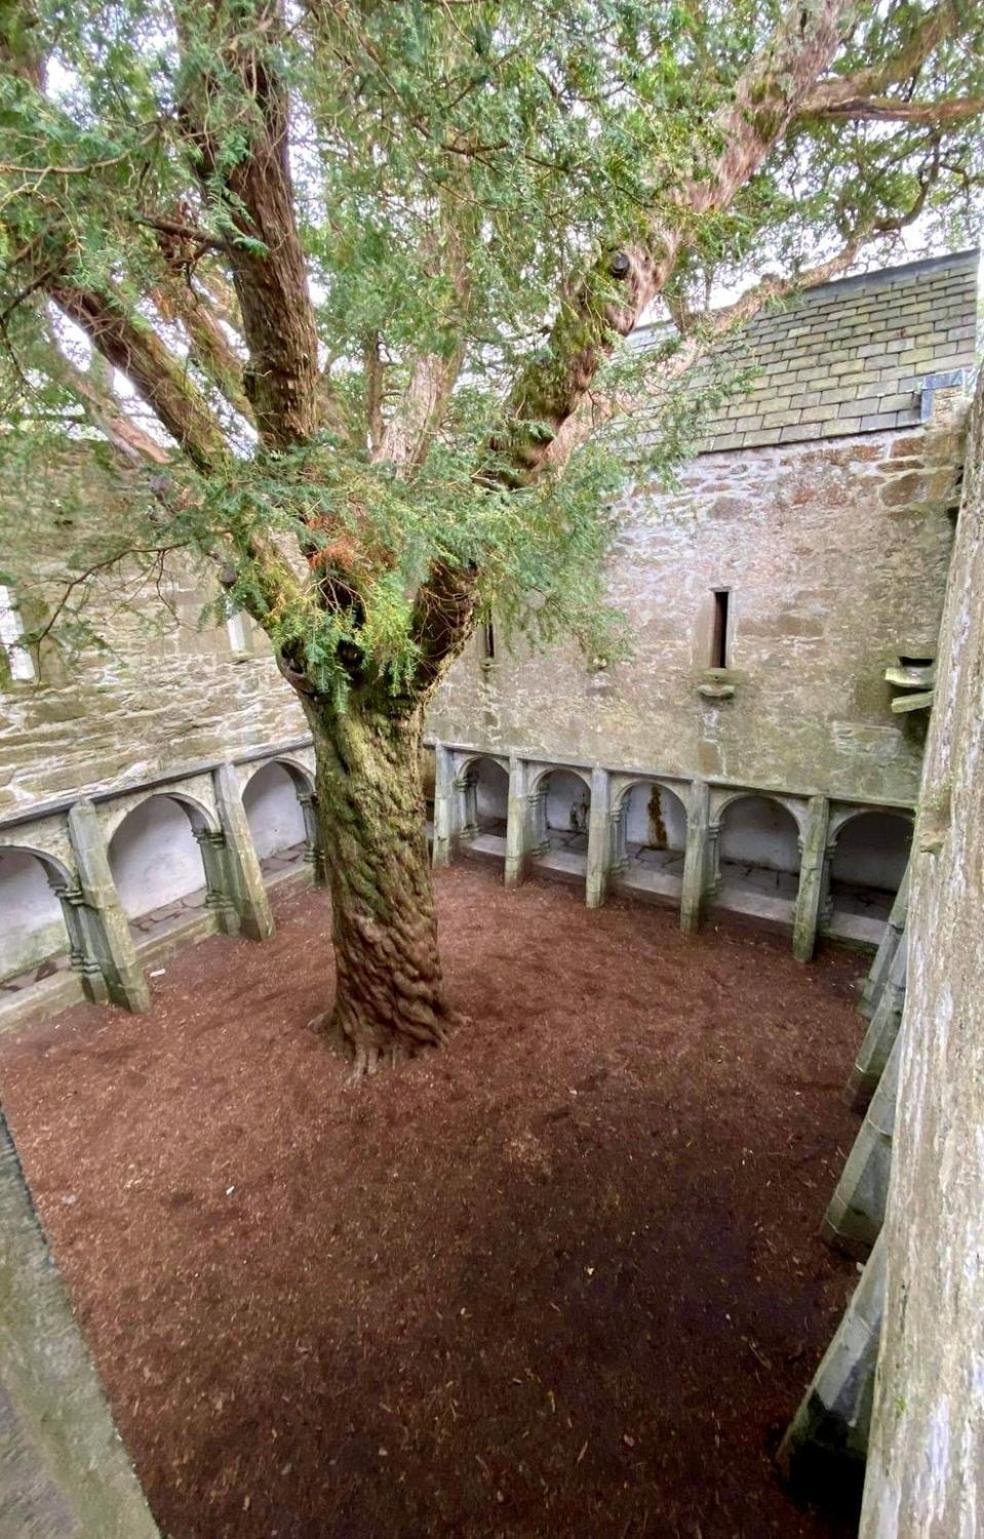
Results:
[536, 818]
[64, 1473]
[696, 856]
[886, 948]
[883, 1028]
[444, 807]
[82, 957]
[823, 1452]
[218, 879]
[812, 879]
[108, 943]
[314, 855]
[517, 825]
[243, 879]
[599, 839]
[857, 1209]
[466, 806]
[619, 846]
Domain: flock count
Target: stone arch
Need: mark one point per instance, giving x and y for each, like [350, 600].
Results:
[36, 922]
[465, 763]
[868, 851]
[483, 781]
[756, 840]
[545, 771]
[277, 800]
[47, 838]
[202, 818]
[722, 801]
[300, 773]
[649, 838]
[491, 782]
[157, 854]
[671, 801]
[560, 806]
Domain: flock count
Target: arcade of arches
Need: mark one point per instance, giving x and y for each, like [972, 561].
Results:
[765, 808]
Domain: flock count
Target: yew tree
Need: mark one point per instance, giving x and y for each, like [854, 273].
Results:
[344, 287]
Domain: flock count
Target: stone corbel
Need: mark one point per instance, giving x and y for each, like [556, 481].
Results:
[913, 682]
[717, 684]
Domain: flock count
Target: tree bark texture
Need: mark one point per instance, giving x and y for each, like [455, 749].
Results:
[389, 1000]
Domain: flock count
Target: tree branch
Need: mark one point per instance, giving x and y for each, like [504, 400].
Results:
[210, 348]
[888, 109]
[132, 347]
[836, 91]
[373, 364]
[82, 578]
[699, 334]
[408, 432]
[269, 273]
[553, 388]
[702, 331]
[104, 411]
[766, 100]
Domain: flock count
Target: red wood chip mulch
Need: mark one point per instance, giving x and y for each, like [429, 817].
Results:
[562, 1278]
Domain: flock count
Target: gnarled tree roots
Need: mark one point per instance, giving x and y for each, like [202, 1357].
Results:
[370, 1048]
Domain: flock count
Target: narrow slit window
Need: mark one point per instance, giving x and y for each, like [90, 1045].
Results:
[19, 659]
[488, 642]
[238, 633]
[719, 630]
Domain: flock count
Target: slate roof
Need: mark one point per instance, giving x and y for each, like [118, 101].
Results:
[850, 356]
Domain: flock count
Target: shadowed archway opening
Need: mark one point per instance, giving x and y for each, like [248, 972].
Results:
[866, 870]
[34, 938]
[561, 811]
[649, 842]
[487, 809]
[758, 859]
[271, 800]
[158, 863]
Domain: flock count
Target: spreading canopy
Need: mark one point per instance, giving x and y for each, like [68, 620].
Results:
[344, 284]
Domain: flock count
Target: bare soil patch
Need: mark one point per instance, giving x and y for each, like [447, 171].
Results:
[560, 1279]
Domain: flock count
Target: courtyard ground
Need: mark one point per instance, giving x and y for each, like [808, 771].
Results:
[561, 1279]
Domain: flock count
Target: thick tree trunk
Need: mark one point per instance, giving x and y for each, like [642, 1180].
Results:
[389, 1000]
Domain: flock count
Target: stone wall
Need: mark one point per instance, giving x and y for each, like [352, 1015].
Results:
[64, 1474]
[926, 1452]
[835, 556]
[169, 693]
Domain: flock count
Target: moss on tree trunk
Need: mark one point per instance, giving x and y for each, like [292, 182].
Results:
[389, 1000]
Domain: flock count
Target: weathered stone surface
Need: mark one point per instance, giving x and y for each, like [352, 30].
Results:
[823, 1452]
[926, 1459]
[158, 701]
[108, 941]
[241, 868]
[857, 1209]
[811, 883]
[879, 969]
[64, 1474]
[823, 582]
[599, 840]
[883, 1029]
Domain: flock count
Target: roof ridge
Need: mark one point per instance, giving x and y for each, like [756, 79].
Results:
[852, 360]
[878, 275]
